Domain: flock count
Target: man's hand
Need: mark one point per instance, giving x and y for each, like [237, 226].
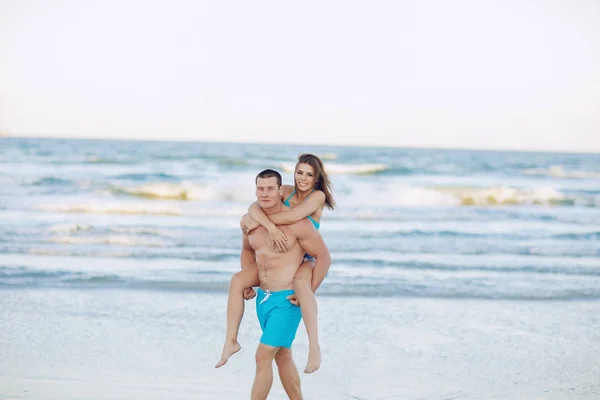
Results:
[293, 298]
[249, 293]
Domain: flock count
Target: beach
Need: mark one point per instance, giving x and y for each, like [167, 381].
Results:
[112, 344]
[456, 274]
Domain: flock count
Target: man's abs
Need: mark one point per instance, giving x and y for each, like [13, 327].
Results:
[277, 272]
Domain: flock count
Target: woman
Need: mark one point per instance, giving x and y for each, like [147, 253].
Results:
[311, 193]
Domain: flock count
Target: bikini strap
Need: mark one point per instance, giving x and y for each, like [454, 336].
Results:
[288, 199]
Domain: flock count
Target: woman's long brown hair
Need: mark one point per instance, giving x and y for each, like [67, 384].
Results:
[322, 181]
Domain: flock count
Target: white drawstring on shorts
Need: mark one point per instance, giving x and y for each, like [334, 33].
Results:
[268, 292]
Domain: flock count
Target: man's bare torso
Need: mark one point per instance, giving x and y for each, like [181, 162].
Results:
[276, 270]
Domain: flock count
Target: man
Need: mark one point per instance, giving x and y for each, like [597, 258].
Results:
[279, 318]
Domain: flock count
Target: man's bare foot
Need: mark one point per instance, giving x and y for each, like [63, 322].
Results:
[314, 360]
[229, 349]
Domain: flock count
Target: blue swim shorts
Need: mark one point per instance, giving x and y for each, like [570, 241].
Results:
[279, 319]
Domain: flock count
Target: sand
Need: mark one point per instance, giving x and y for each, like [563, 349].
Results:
[127, 344]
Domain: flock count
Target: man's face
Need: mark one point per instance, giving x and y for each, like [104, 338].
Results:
[268, 193]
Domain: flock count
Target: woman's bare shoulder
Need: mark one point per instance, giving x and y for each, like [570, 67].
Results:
[287, 190]
[320, 195]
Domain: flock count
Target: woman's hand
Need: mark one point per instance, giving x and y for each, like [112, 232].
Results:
[293, 298]
[249, 293]
[278, 238]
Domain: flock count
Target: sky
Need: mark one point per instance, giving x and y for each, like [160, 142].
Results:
[511, 74]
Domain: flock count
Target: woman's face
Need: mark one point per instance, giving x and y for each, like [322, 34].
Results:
[305, 177]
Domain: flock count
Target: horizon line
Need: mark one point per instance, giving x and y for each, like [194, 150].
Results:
[8, 134]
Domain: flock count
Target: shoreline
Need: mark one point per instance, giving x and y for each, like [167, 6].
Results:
[66, 344]
[323, 294]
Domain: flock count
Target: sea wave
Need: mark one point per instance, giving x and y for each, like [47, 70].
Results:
[558, 171]
[69, 228]
[105, 208]
[328, 156]
[447, 196]
[144, 207]
[50, 181]
[579, 236]
[145, 231]
[168, 190]
[345, 169]
[440, 247]
[388, 268]
[506, 196]
[114, 240]
[107, 160]
[165, 255]
[458, 234]
[145, 177]
[128, 230]
[187, 191]
[340, 283]
[69, 252]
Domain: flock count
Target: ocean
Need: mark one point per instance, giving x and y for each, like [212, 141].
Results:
[89, 227]
[425, 223]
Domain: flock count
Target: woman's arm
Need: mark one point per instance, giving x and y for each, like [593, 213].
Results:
[248, 224]
[311, 204]
[258, 215]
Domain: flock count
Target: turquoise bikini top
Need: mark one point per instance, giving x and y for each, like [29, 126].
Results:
[287, 203]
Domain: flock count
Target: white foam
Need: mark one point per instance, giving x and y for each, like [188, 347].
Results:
[328, 156]
[146, 231]
[177, 191]
[364, 195]
[116, 240]
[106, 208]
[414, 196]
[344, 169]
[505, 196]
[226, 190]
[68, 253]
[557, 171]
[69, 228]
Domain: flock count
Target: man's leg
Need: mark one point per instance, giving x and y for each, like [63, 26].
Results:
[288, 373]
[247, 277]
[308, 305]
[263, 380]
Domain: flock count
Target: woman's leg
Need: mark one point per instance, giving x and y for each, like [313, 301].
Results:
[246, 278]
[308, 306]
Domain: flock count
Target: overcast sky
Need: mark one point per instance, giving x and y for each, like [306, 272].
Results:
[508, 74]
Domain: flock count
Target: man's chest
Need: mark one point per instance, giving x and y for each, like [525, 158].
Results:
[261, 241]
[258, 238]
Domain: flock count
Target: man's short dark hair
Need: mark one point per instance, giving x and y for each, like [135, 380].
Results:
[269, 173]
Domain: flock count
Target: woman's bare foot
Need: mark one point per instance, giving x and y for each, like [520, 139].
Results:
[314, 359]
[229, 349]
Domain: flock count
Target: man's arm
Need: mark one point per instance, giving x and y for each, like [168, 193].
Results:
[248, 260]
[312, 242]
[248, 255]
